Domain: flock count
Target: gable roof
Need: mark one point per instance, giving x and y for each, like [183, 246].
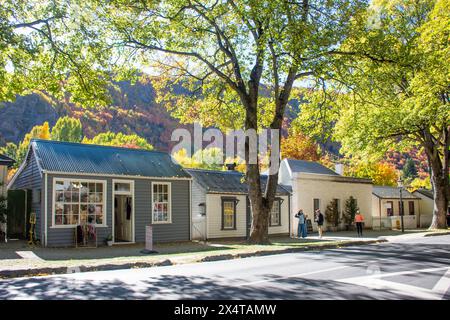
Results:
[426, 193]
[309, 167]
[384, 192]
[68, 157]
[214, 181]
[6, 161]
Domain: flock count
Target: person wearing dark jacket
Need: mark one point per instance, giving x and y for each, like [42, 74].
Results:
[319, 219]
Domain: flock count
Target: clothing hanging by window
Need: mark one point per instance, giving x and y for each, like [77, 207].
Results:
[128, 208]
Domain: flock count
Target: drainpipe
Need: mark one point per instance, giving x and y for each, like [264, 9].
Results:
[45, 209]
[190, 210]
[379, 210]
[26, 211]
[289, 213]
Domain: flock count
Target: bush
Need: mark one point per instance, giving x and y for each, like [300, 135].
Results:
[350, 211]
[332, 213]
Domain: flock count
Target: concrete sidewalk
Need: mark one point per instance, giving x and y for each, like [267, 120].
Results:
[17, 259]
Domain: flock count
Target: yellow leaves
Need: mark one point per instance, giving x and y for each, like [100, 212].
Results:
[11, 173]
[44, 131]
[300, 147]
[381, 173]
[419, 183]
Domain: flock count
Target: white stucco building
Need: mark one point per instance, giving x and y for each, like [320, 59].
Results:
[315, 186]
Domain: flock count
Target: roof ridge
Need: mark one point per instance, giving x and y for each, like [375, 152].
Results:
[95, 145]
[212, 171]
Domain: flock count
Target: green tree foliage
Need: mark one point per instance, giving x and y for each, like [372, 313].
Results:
[209, 158]
[390, 87]
[67, 129]
[119, 140]
[332, 214]
[225, 52]
[409, 171]
[10, 150]
[52, 46]
[350, 210]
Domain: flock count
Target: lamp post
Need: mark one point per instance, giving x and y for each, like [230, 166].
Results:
[400, 185]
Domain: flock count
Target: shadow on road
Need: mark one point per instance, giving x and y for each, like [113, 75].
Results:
[183, 287]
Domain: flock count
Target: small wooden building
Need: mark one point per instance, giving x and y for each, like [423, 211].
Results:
[117, 190]
[221, 207]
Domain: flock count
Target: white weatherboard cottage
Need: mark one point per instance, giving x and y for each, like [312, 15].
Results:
[386, 208]
[314, 186]
[221, 208]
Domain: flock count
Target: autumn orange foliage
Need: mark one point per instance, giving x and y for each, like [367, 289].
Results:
[300, 147]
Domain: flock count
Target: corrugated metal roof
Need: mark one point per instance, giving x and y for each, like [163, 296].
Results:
[309, 167]
[70, 157]
[225, 181]
[5, 161]
[392, 193]
[426, 192]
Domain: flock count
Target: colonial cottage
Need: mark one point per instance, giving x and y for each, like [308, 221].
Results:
[386, 208]
[314, 186]
[221, 207]
[117, 190]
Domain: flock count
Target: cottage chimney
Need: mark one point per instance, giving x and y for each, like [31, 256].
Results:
[231, 166]
[339, 168]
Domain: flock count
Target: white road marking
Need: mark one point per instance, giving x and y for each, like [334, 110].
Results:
[28, 255]
[442, 286]
[298, 275]
[375, 282]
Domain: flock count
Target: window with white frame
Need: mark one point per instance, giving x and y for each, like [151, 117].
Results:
[79, 202]
[161, 202]
[275, 213]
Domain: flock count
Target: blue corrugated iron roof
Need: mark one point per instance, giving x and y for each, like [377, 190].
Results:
[309, 167]
[70, 157]
[225, 181]
[6, 161]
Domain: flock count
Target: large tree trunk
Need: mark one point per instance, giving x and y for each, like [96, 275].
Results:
[439, 178]
[261, 204]
[259, 232]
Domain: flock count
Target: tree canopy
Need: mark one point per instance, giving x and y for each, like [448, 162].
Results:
[390, 87]
[52, 46]
[67, 129]
[119, 140]
[238, 59]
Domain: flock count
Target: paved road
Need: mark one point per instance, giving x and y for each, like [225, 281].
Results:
[411, 268]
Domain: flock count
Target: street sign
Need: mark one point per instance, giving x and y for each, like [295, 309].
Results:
[149, 238]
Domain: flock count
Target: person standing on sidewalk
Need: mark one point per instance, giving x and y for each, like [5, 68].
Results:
[301, 230]
[319, 219]
[359, 219]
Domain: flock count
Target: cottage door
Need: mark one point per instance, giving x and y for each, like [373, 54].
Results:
[123, 212]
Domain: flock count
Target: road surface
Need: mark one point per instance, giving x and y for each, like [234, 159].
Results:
[407, 269]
